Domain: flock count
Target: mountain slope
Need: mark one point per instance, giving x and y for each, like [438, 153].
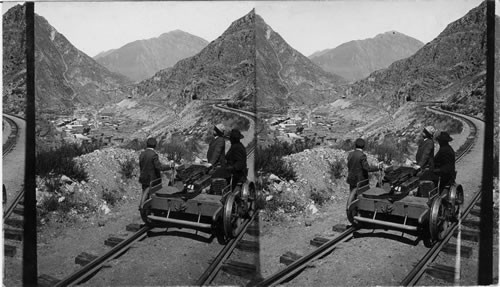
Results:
[452, 67]
[355, 60]
[66, 77]
[285, 77]
[141, 59]
[14, 61]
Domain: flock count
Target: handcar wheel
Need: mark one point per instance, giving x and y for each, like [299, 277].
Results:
[218, 231]
[438, 222]
[232, 220]
[351, 207]
[252, 200]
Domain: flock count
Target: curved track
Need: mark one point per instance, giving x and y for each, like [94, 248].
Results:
[415, 274]
[300, 264]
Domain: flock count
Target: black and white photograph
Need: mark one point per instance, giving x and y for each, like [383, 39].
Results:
[250, 143]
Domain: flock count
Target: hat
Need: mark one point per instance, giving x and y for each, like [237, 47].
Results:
[429, 131]
[151, 142]
[219, 129]
[359, 143]
[235, 134]
[444, 137]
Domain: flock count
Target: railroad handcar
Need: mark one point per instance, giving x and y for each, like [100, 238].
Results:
[402, 201]
[194, 198]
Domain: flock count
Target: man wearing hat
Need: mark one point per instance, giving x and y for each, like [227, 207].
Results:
[236, 157]
[150, 166]
[357, 165]
[217, 147]
[444, 161]
[425, 152]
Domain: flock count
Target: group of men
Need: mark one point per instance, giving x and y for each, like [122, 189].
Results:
[232, 164]
[439, 168]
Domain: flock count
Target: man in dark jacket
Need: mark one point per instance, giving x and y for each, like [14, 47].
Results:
[357, 165]
[217, 148]
[150, 165]
[444, 161]
[236, 157]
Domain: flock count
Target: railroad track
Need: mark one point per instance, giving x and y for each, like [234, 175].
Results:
[12, 226]
[423, 265]
[94, 265]
[11, 141]
[326, 247]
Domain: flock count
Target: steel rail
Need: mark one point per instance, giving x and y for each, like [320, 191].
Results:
[97, 263]
[416, 273]
[301, 263]
[412, 278]
[14, 203]
[216, 265]
[9, 145]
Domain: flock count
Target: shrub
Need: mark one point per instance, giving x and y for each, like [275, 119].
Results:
[111, 196]
[336, 169]
[58, 161]
[320, 197]
[127, 168]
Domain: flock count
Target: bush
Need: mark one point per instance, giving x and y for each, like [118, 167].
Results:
[390, 149]
[111, 196]
[58, 161]
[127, 168]
[336, 169]
[320, 197]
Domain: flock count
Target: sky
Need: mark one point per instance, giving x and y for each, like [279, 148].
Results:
[308, 26]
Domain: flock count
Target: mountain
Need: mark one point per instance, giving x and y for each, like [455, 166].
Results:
[14, 61]
[452, 67]
[141, 59]
[224, 69]
[285, 77]
[66, 77]
[355, 60]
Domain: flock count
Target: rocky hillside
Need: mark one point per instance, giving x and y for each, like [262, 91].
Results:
[14, 61]
[67, 77]
[355, 60]
[141, 59]
[285, 77]
[222, 70]
[452, 67]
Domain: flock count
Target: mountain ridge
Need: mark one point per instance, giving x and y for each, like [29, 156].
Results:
[141, 59]
[356, 59]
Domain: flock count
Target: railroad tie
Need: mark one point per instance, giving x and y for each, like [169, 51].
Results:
[475, 212]
[469, 235]
[253, 230]
[318, 241]
[13, 234]
[440, 271]
[451, 248]
[14, 222]
[113, 241]
[133, 227]
[241, 269]
[9, 250]
[85, 258]
[339, 228]
[46, 281]
[471, 223]
[19, 210]
[289, 257]
[248, 246]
